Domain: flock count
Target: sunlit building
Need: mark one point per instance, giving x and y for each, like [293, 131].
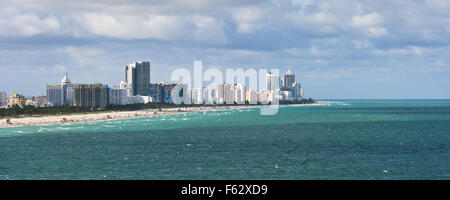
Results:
[17, 99]
[251, 96]
[91, 95]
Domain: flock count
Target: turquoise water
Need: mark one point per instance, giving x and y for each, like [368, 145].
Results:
[350, 139]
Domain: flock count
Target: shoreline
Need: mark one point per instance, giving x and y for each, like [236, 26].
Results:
[117, 115]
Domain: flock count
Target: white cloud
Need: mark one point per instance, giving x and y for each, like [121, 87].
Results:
[370, 19]
[133, 27]
[248, 19]
[28, 25]
[370, 24]
[209, 30]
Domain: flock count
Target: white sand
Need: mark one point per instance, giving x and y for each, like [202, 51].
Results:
[74, 118]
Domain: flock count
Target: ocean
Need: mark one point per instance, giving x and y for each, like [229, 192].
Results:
[349, 139]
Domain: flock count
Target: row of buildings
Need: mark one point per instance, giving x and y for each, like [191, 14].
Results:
[17, 99]
[137, 88]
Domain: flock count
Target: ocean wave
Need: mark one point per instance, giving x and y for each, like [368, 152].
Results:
[335, 103]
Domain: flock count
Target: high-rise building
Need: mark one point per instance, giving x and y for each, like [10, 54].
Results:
[251, 96]
[118, 96]
[137, 76]
[91, 95]
[224, 94]
[239, 93]
[54, 94]
[67, 91]
[208, 95]
[3, 99]
[289, 79]
[272, 81]
[197, 95]
[17, 99]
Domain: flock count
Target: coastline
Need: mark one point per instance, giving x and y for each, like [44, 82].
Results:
[92, 117]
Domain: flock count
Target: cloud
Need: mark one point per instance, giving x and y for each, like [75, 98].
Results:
[248, 19]
[133, 27]
[370, 19]
[94, 39]
[28, 25]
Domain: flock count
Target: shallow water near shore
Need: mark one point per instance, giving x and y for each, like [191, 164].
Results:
[350, 139]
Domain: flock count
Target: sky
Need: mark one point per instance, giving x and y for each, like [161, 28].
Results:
[338, 49]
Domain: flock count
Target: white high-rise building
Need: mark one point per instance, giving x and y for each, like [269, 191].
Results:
[54, 94]
[239, 94]
[272, 82]
[118, 96]
[286, 95]
[289, 79]
[208, 95]
[251, 96]
[224, 94]
[197, 96]
[67, 91]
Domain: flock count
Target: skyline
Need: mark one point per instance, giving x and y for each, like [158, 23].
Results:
[337, 49]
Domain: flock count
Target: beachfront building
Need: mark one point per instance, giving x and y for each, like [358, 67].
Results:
[251, 96]
[224, 94]
[166, 92]
[17, 99]
[265, 96]
[196, 96]
[272, 82]
[3, 99]
[288, 79]
[208, 95]
[118, 96]
[54, 93]
[286, 96]
[67, 91]
[140, 99]
[155, 91]
[161, 92]
[91, 95]
[239, 93]
[292, 87]
[137, 76]
[62, 94]
[41, 101]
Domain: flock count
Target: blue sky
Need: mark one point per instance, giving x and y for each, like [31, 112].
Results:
[336, 48]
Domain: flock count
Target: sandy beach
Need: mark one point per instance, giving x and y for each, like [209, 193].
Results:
[77, 118]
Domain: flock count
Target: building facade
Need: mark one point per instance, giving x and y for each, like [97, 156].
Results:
[272, 82]
[54, 94]
[17, 99]
[251, 96]
[288, 79]
[91, 95]
[137, 76]
[118, 96]
[224, 94]
[197, 95]
[3, 99]
[67, 91]
[239, 94]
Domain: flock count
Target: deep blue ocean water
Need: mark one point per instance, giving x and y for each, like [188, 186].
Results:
[350, 139]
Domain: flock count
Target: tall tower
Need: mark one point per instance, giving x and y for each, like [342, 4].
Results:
[272, 81]
[137, 76]
[289, 79]
[66, 91]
